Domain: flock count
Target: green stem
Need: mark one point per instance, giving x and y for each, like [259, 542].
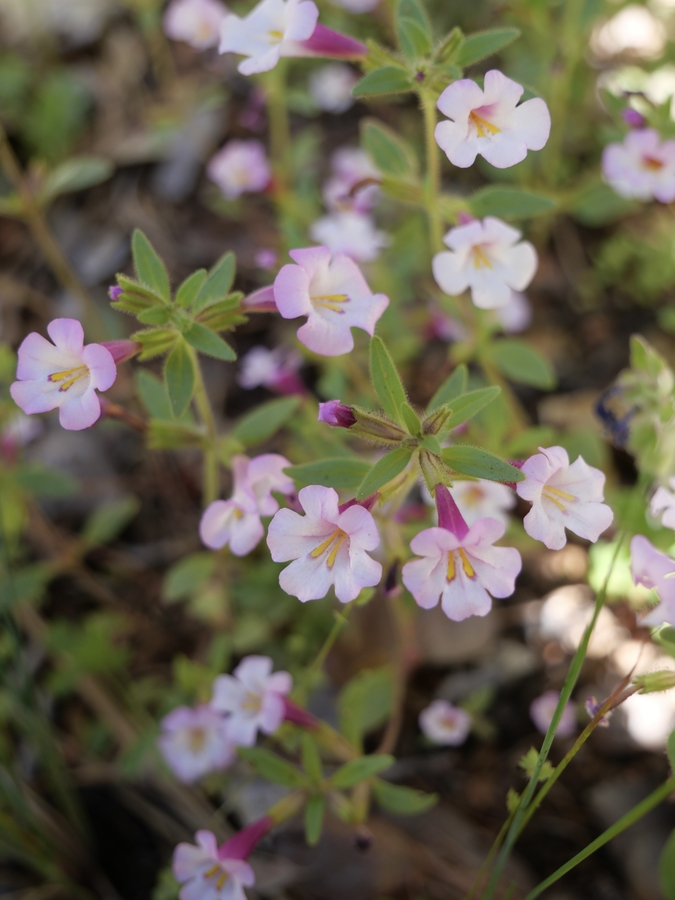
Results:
[631, 817]
[279, 128]
[341, 619]
[433, 161]
[210, 472]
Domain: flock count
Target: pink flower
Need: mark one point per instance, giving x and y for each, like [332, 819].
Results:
[328, 547]
[643, 167]
[266, 258]
[333, 294]
[654, 570]
[489, 258]
[336, 414]
[541, 713]
[488, 122]
[330, 87]
[240, 167]
[63, 375]
[351, 166]
[195, 742]
[276, 370]
[459, 564]
[195, 21]
[663, 502]
[268, 32]
[443, 723]
[351, 233]
[253, 698]
[236, 522]
[206, 874]
[481, 499]
[563, 496]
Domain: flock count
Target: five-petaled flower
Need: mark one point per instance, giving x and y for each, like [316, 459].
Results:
[333, 294]
[663, 502]
[253, 698]
[329, 547]
[63, 375]
[443, 723]
[240, 167]
[563, 496]
[236, 522]
[642, 167]
[490, 123]
[268, 32]
[653, 569]
[195, 21]
[206, 873]
[542, 710]
[195, 741]
[489, 258]
[459, 564]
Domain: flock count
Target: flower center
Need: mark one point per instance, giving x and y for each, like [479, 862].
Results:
[449, 722]
[197, 739]
[330, 301]
[69, 376]
[275, 36]
[556, 496]
[335, 541]
[466, 565]
[482, 126]
[252, 702]
[480, 258]
[216, 871]
[651, 164]
[473, 496]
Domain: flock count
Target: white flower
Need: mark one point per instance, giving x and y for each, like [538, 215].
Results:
[654, 570]
[515, 315]
[208, 875]
[253, 698]
[563, 496]
[663, 502]
[195, 21]
[330, 87]
[443, 723]
[351, 233]
[642, 167]
[489, 258]
[195, 742]
[240, 167]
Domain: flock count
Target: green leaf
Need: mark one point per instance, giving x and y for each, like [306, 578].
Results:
[667, 868]
[414, 40]
[187, 575]
[156, 315]
[179, 374]
[342, 472]
[172, 435]
[484, 43]
[597, 205]
[314, 811]
[311, 761]
[401, 800]
[386, 380]
[449, 46]
[392, 155]
[273, 767]
[385, 80]
[411, 419]
[189, 289]
[153, 394]
[365, 703]
[357, 770]
[208, 342]
[391, 465]
[414, 10]
[522, 363]
[479, 463]
[149, 267]
[264, 421]
[452, 387]
[37, 479]
[155, 341]
[218, 284]
[109, 520]
[468, 405]
[76, 174]
[509, 203]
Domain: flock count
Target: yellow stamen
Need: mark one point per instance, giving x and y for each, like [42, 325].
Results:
[222, 878]
[480, 258]
[330, 562]
[339, 536]
[197, 739]
[483, 127]
[466, 565]
[275, 36]
[451, 567]
[252, 702]
[552, 494]
[330, 301]
[214, 870]
[653, 165]
[69, 376]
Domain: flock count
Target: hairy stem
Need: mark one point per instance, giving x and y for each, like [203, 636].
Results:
[210, 471]
[341, 619]
[433, 163]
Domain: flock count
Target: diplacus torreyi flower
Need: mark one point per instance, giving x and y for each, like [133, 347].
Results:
[253, 698]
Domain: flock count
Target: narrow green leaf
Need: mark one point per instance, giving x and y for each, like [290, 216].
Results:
[172, 435]
[311, 761]
[365, 703]
[314, 811]
[155, 341]
[264, 421]
[415, 10]
[468, 405]
[179, 374]
[522, 363]
[479, 463]
[153, 394]
[357, 770]
[415, 42]
[341, 472]
[452, 387]
[411, 419]
[401, 800]
[208, 342]
[597, 205]
[273, 767]
[509, 203]
[484, 43]
[76, 174]
[667, 868]
[391, 465]
[218, 283]
[386, 380]
[449, 46]
[149, 267]
[156, 315]
[390, 153]
[386, 80]
[109, 520]
[189, 289]
[187, 575]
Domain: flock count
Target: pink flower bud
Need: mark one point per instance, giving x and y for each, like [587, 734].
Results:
[114, 292]
[336, 414]
[122, 350]
[633, 118]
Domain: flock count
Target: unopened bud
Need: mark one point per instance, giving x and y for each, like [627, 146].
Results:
[655, 681]
[433, 469]
[122, 350]
[633, 118]
[433, 424]
[377, 427]
[336, 414]
[114, 292]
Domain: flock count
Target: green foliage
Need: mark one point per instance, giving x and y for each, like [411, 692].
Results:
[481, 44]
[386, 380]
[453, 386]
[314, 812]
[188, 574]
[341, 472]
[479, 463]
[413, 30]
[149, 268]
[107, 522]
[667, 868]
[54, 116]
[217, 285]
[264, 421]
[365, 703]
[522, 363]
[272, 767]
[76, 174]
[468, 405]
[401, 800]
[384, 470]
[208, 342]
[311, 761]
[390, 153]
[509, 203]
[179, 374]
[385, 80]
[357, 770]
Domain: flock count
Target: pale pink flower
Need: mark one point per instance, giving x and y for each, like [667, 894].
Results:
[195, 742]
[275, 369]
[206, 874]
[541, 713]
[236, 522]
[642, 167]
[330, 87]
[268, 32]
[266, 258]
[253, 698]
[195, 21]
[333, 294]
[351, 166]
[351, 233]
[654, 570]
[489, 258]
[490, 123]
[64, 375]
[443, 723]
[515, 315]
[240, 167]
[663, 502]
[328, 547]
[563, 496]
[459, 564]
[483, 499]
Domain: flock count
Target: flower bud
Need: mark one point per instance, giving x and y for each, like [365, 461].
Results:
[434, 422]
[122, 350]
[653, 682]
[433, 469]
[336, 414]
[633, 118]
[114, 292]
